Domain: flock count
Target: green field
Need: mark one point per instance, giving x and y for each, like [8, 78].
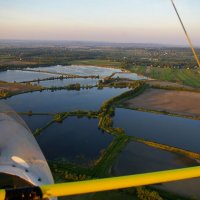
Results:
[97, 62]
[188, 77]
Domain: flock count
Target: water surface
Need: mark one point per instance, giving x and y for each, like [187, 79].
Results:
[20, 76]
[139, 158]
[36, 121]
[79, 70]
[76, 139]
[174, 131]
[64, 82]
[62, 100]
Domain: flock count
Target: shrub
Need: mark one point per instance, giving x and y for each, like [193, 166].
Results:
[144, 194]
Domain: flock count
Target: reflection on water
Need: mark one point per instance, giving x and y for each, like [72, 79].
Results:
[79, 70]
[62, 100]
[131, 76]
[36, 121]
[138, 158]
[64, 82]
[76, 140]
[174, 131]
[20, 76]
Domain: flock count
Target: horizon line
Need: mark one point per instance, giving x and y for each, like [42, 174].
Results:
[99, 42]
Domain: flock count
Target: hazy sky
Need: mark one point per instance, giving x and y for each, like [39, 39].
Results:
[151, 21]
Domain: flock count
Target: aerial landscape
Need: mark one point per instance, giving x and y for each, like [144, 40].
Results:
[103, 109]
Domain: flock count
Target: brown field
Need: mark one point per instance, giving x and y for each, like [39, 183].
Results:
[176, 102]
[7, 89]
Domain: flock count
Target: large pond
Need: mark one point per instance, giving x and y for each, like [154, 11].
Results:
[131, 76]
[36, 121]
[20, 76]
[62, 100]
[138, 158]
[79, 70]
[76, 139]
[68, 81]
[174, 131]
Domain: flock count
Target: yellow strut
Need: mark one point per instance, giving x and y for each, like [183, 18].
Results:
[2, 194]
[90, 186]
[187, 35]
[106, 184]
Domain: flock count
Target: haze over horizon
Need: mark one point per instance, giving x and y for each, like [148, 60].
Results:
[116, 21]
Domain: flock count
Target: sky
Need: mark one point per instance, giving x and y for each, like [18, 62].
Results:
[129, 21]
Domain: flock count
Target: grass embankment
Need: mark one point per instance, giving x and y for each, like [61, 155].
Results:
[188, 77]
[75, 86]
[107, 109]
[106, 112]
[177, 88]
[169, 148]
[59, 74]
[100, 168]
[62, 77]
[59, 117]
[104, 163]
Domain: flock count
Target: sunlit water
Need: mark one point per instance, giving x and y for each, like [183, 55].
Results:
[62, 100]
[20, 76]
[79, 70]
[68, 81]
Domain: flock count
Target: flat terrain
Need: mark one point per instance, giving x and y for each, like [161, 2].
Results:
[7, 89]
[97, 62]
[189, 77]
[172, 101]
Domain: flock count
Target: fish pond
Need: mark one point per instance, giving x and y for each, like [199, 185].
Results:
[20, 76]
[138, 158]
[67, 81]
[62, 100]
[76, 140]
[36, 121]
[79, 70]
[174, 131]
